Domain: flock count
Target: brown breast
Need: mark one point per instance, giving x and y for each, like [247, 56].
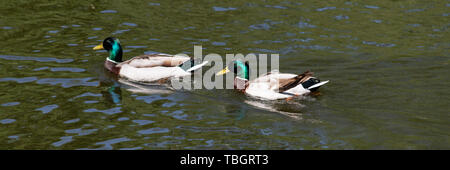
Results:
[240, 84]
[112, 67]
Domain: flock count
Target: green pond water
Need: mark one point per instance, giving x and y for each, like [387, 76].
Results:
[387, 62]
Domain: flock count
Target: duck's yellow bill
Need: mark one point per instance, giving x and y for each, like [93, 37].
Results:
[224, 71]
[99, 47]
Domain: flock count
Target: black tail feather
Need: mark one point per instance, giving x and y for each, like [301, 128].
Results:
[292, 82]
[189, 64]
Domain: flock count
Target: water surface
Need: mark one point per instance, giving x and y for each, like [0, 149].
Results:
[387, 62]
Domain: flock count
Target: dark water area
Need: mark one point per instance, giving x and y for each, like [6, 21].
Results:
[387, 62]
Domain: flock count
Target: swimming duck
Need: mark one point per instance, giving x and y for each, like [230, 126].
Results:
[146, 68]
[273, 85]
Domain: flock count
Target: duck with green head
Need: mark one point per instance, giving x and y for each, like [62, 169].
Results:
[146, 68]
[273, 85]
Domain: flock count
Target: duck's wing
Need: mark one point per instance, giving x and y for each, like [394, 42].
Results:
[273, 79]
[264, 87]
[286, 84]
[262, 91]
[192, 65]
[154, 60]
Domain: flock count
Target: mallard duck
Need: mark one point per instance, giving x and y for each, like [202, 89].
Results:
[272, 85]
[146, 68]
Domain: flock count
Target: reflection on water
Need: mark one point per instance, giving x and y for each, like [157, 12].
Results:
[145, 88]
[388, 61]
[268, 107]
[38, 59]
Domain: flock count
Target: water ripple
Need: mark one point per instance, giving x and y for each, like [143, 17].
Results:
[135, 46]
[14, 137]
[215, 129]
[414, 10]
[129, 24]
[56, 69]
[378, 44]
[64, 140]
[108, 11]
[189, 28]
[69, 82]
[325, 8]
[224, 9]
[154, 4]
[303, 24]
[40, 59]
[341, 17]
[372, 7]
[7, 121]
[150, 99]
[120, 31]
[88, 94]
[48, 108]
[276, 6]
[108, 143]
[107, 111]
[377, 21]
[19, 80]
[179, 114]
[135, 148]
[215, 43]
[143, 122]
[70, 69]
[263, 26]
[153, 131]
[123, 119]
[10, 104]
[266, 131]
[53, 32]
[72, 121]
[81, 132]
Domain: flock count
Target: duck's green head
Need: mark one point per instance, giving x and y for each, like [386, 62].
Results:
[239, 68]
[112, 45]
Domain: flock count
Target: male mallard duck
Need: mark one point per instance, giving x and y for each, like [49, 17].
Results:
[273, 85]
[146, 68]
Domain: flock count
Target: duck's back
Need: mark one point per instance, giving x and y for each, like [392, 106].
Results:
[155, 60]
[266, 86]
[150, 74]
[150, 68]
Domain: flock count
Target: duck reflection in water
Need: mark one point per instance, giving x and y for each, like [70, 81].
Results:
[272, 106]
[114, 93]
[145, 88]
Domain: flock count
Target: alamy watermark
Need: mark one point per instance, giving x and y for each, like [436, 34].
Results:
[236, 68]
